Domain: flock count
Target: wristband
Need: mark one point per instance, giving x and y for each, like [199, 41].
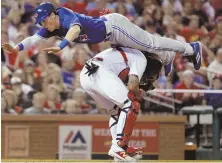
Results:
[64, 43]
[21, 46]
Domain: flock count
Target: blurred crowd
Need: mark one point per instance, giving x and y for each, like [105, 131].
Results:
[34, 82]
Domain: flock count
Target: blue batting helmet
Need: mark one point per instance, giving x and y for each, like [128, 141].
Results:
[42, 11]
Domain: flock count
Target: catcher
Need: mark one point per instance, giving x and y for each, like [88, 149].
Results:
[116, 78]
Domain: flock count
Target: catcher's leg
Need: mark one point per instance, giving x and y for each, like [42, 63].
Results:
[104, 84]
[135, 152]
[124, 128]
[127, 119]
[113, 120]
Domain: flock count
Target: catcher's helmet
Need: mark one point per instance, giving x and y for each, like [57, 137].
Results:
[42, 11]
[151, 73]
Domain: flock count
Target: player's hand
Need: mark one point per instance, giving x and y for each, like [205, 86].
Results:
[9, 47]
[52, 50]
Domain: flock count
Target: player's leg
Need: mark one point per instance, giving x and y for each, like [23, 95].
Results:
[114, 118]
[90, 85]
[167, 58]
[135, 152]
[124, 129]
[112, 88]
[112, 109]
[126, 33]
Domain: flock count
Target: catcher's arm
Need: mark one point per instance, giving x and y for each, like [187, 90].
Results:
[133, 83]
[133, 86]
[137, 67]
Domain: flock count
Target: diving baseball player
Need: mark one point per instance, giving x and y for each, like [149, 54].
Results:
[117, 29]
[115, 79]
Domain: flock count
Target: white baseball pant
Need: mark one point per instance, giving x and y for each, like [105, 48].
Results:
[107, 89]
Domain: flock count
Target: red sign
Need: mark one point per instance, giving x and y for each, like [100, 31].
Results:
[144, 135]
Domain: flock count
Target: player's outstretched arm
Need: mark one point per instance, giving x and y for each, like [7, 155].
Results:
[72, 34]
[10, 48]
[25, 44]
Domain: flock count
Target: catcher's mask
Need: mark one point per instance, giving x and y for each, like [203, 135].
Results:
[151, 73]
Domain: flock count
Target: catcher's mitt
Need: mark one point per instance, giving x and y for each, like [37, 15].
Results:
[151, 73]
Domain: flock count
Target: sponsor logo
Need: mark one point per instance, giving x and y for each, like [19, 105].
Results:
[74, 142]
[77, 136]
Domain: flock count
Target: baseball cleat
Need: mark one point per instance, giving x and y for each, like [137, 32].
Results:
[135, 152]
[121, 156]
[197, 56]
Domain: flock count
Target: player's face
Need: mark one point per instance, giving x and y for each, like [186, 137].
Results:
[50, 22]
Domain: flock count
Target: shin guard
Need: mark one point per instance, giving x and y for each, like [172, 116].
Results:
[130, 117]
